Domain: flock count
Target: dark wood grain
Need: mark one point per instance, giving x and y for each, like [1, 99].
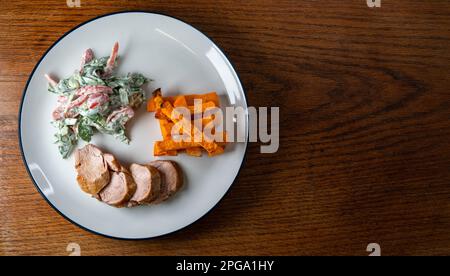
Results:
[364, 104]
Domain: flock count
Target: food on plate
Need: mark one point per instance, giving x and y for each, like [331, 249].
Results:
[195, 151]
[92, 171]
[167, 115]
[119, 190]
[208, 97]
[166, 127]
[102, 176]
[162, 147]
[112, 162]
[210, 146]
[148, 181]
[171, 178]
[94, 98]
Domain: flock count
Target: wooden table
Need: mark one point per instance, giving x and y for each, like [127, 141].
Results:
[364, 134]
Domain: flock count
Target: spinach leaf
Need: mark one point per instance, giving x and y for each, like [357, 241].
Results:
[85, 131]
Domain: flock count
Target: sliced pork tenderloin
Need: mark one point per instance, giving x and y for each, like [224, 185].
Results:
[92, 172]
[148, 182]
[171, 178]
[119, 191]
[112, 163]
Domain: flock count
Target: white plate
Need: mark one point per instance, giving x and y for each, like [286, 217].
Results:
[180, 60]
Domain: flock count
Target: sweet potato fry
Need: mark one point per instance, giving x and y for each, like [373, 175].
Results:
[161, 147]
[206, 105]
[171, 145]
[156, 100]
[166, 128]
[210, 147]
[180, 101]
[159, 152]
[164, 108]
[196, 152]
[209, 97]
[166, 153]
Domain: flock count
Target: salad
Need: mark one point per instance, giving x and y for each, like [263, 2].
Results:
[94, 99]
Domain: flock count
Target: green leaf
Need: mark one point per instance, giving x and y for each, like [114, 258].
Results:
[123, 94]
[65, 139]
[85, 132]
[137, 80]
